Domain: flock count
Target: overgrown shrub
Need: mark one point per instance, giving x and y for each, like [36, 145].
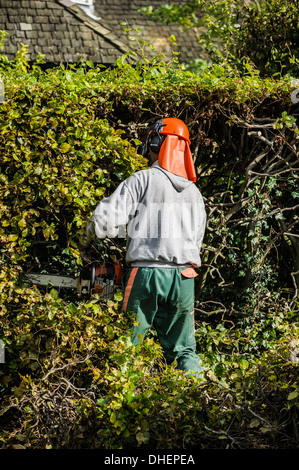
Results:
[71, 378]
[264, 33]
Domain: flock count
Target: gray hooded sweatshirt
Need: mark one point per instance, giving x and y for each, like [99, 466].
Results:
[161, 215]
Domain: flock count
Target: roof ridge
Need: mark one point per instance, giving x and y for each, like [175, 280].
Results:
[101, 29]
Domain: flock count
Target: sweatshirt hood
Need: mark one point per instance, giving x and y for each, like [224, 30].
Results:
[178, 182]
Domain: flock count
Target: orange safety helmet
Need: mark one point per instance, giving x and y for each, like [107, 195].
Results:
[174, 126]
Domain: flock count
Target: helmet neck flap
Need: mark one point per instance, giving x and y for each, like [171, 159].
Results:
[175, 157]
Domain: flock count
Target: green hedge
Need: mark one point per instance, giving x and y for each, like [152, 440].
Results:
[71, 379]
[262, 33]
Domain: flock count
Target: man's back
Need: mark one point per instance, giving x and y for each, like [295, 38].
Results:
[167, 219]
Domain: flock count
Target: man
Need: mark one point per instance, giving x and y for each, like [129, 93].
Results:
[164, 216]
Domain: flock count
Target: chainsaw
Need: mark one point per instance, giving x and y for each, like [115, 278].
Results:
[101, 279]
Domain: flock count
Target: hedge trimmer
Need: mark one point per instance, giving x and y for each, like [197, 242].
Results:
[102, 279]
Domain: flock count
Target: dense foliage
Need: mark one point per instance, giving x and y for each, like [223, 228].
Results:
[264, 33]
[71, 378]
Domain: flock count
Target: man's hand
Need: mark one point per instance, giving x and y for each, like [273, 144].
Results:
[86, 242]
[85, 248]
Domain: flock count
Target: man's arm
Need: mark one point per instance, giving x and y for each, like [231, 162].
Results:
[111, 216]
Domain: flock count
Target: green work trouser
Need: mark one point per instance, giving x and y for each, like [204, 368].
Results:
[164, 298]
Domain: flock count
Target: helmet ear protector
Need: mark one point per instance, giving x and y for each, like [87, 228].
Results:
[152, 139]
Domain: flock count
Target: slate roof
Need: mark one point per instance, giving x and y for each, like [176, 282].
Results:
[63, 32]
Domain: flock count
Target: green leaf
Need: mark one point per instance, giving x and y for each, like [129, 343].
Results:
[293, 395]
[173, 39]
[118, 296]
[51, 314]
[64, 148]
[54, 293]
[72, 309]
[13, 237]
[22, 223]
